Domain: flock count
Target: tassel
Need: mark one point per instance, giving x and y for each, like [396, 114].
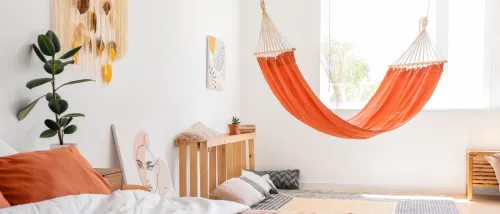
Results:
[107, 73]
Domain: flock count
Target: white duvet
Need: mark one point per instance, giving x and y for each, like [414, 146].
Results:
[127, 202]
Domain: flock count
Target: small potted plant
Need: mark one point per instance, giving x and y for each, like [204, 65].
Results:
[60, 124]
[234, 127]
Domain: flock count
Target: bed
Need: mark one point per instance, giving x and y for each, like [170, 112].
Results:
[62, 181]
[217, 161]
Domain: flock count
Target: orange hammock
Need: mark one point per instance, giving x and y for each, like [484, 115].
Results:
[404, 91]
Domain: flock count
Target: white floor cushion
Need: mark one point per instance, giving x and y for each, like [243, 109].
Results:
[239, 191]
[256, 179]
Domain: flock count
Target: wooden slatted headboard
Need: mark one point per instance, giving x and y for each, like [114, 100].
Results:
[480, 173]
[217, 159]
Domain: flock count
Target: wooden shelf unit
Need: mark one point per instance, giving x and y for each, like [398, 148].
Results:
[479, 172]
[218, 160]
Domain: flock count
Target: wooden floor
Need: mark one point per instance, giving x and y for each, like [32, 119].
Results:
[479, 205]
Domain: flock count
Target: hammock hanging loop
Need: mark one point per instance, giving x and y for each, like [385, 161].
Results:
[421, 52]
[422, 26]
[271, 42]
[263, 6]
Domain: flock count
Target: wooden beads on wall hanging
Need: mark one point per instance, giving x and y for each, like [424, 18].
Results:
[99, 26]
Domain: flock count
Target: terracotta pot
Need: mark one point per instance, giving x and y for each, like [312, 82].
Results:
[234, 129]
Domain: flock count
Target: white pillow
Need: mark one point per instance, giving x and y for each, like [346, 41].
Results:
[6, 149]
[494, 160]
[239, 191]
[257, 179]
[267, 178]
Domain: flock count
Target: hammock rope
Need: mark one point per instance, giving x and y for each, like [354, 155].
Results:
[409, 83]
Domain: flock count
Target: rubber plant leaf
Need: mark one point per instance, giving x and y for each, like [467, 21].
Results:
[26, 110]
[62, 122]
[75, 82]
[48, 133]
[57, 65]
[55, 41]
[39, 53]
[58, 106]
[46, 45]
[51, 125]
[37, 82]
[49, 97]
[74, 115]
[70, 129]
[71, 53]
[68, 121]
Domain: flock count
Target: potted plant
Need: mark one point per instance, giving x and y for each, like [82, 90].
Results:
[60, 125]
[234, 127]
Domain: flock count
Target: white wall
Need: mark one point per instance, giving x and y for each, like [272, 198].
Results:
[161, 82]
[426, 155]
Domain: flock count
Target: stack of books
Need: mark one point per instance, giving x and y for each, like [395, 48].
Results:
[247, 129]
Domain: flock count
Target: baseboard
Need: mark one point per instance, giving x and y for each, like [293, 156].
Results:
[393, 189]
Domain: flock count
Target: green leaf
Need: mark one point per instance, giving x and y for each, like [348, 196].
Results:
[75, 82]
[68, 63]
[74, 115]
[55, 41]
[48, 133]
[39, 53]
[49, 97]
[62, 122]
[57, 65]
[58, 106]
[52, 125]
[70, 129]
[26, 110]
[70, 53]
[37, 82]
[46, 45]
[48, 67]
[68, 121]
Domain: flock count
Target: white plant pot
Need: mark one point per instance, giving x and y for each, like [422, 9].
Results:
[57, 146]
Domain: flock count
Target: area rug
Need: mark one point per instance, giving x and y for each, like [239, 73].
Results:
[403, 204]
[275, 203]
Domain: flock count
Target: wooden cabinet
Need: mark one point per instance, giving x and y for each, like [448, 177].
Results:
[479, 172]
[114, 177]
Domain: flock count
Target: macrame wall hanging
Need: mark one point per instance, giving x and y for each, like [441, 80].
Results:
[99, 26]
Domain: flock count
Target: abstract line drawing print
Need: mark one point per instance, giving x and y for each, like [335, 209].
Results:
[152, 171]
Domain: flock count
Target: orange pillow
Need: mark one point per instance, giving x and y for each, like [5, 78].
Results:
[3, 202]
[43, 175]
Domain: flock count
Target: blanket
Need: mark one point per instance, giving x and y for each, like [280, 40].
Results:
[198, 132]
[127, 202]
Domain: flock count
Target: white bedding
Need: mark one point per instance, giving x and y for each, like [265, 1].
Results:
[127, 202]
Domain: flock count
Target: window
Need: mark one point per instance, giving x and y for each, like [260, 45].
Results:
[360, 38]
